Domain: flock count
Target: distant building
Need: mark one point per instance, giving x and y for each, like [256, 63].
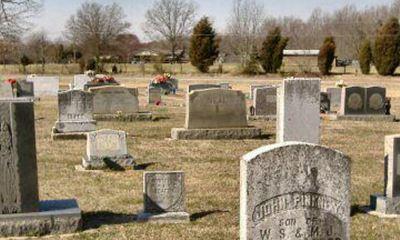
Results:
[156, 55]
[300, 60]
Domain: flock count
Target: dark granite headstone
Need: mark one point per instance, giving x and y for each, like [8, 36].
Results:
[375, 100]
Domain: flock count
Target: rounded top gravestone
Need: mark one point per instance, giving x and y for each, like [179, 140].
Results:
[295, 190]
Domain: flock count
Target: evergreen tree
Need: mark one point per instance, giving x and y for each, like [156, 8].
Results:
[203, 45]
[365, 57]
[326, 56]
[387, 46]
[271, 55]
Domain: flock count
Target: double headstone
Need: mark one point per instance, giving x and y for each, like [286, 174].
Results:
[264, 101]
[294, 190]
[388, 203]
[215, 114]
[107, 148]
[75, 112]
[363, 101]
[115, 99]
[44, 86]
[298, 111]
[21, 213]
[164, 197]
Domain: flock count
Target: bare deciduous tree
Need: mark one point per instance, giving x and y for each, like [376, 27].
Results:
[244, 27]
[170, 20]
[94, 27]
[37, 48]
[14, 16]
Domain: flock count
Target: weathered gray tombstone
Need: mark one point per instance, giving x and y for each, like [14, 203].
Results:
[6, 90]
[153, 95]
[80, 81]
[388, 203]
[254, 86]
[294, 190]
[107, 149]
[375, 100]
[164, 197]
[113, 99]
[353, 100]
[335, 96]
[25, 89]
[265, 101]
[44, 85]
[21, 213]
[193, 87]
[215, 114]
[298, 110]
[75, 115]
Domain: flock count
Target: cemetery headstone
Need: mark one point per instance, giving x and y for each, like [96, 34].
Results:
[193, 87]
[21, 213]
[75, 112]
[265, 101]
[216, 114]
[375, 100]
[298, 111]
[334, 96]
[107, 148]
[353, 100]
[294, 190]
[154, 95]
[114, 99]
[164, 197]
[25, 89]
[388, 203]
[44, 85]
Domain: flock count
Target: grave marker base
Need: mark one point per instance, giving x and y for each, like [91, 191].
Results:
[220, 133]
[131, 117]
[170, 217]
[367, 118]
[54, 217]
[67, 127]
[118, 162]
[262, 117]
[67, 136]
[384, 207]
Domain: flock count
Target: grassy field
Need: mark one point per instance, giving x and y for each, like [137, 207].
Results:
[110, 200]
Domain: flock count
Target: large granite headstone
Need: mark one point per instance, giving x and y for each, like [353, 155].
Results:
[334, 95]
[375, 100]
[265, 101]
[153, 95]
[294, 190]
[388, 203]
[21, 213]
[75, 112]
[353, 100]
[114, 99]
[25, 89]
[298, 111]
[44, 85]
[193, 87]
[107, 148]
[164, 197]
[216, 108]
[80, 81]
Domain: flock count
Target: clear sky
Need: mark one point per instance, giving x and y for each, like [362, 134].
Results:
[55, 13]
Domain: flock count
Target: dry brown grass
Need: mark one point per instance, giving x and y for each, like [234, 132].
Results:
[110, 200]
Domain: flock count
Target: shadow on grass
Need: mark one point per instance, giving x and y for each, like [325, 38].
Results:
[358, 209]
[266, 136]
[113, 165]
[144, 166]
[94, 220]
[199, 215]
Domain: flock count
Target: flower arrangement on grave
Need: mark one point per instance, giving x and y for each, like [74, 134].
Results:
[104, 79]
[166, 82]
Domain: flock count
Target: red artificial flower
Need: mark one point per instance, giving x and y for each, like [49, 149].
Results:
[158, 103]
[11, 81]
